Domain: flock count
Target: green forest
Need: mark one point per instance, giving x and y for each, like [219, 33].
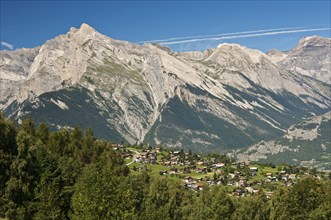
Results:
[69, 174]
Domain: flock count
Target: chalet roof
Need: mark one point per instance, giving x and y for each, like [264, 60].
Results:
[218, 164]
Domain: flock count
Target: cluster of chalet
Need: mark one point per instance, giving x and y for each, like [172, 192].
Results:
[180, 164]
[197, 165]
[239, 180]
[175, 159]
[147, 156]
[117, 146]
[195, 184]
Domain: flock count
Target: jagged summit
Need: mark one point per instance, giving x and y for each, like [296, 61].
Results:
[310, 57]
[83, 28]
[224, 44]
[239, 52]
[312, 40]
[84, 31]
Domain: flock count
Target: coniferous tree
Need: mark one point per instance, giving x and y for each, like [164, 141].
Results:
[299, 201]
[8, 150]
[24, 176]
[42, 133]
[48, 190]
[252, 207]
[102, 192]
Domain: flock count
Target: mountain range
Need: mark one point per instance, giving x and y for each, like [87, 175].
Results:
[225, 98]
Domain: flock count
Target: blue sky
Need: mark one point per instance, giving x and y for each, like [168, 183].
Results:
[30, 23]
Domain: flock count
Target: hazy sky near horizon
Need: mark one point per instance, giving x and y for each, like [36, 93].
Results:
[180, 25]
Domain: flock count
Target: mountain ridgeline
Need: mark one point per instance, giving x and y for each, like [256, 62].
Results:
[224, 98]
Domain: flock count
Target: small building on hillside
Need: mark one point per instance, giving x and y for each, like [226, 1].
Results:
[253, 169]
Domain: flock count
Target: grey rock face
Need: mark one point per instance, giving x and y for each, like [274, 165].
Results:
[306, 143]
[227, 97]
[311, 57]
[14, 70]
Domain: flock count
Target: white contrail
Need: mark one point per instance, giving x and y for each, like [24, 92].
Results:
[7, 45]
[244, 36]
[218, 35]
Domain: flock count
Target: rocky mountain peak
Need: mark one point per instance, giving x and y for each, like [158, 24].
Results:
[84, 31]
[235, 57]
[311, 57]
[237, 51]
[313, 41]
[83, 28]
[61, 60]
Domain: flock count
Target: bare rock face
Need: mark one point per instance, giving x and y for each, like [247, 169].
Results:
[59, 61]
[311, 57]
[306, 144]
[227, 97]
[14, 70]
[277, 56]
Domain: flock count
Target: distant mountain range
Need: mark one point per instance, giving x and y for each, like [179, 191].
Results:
[224, 98]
